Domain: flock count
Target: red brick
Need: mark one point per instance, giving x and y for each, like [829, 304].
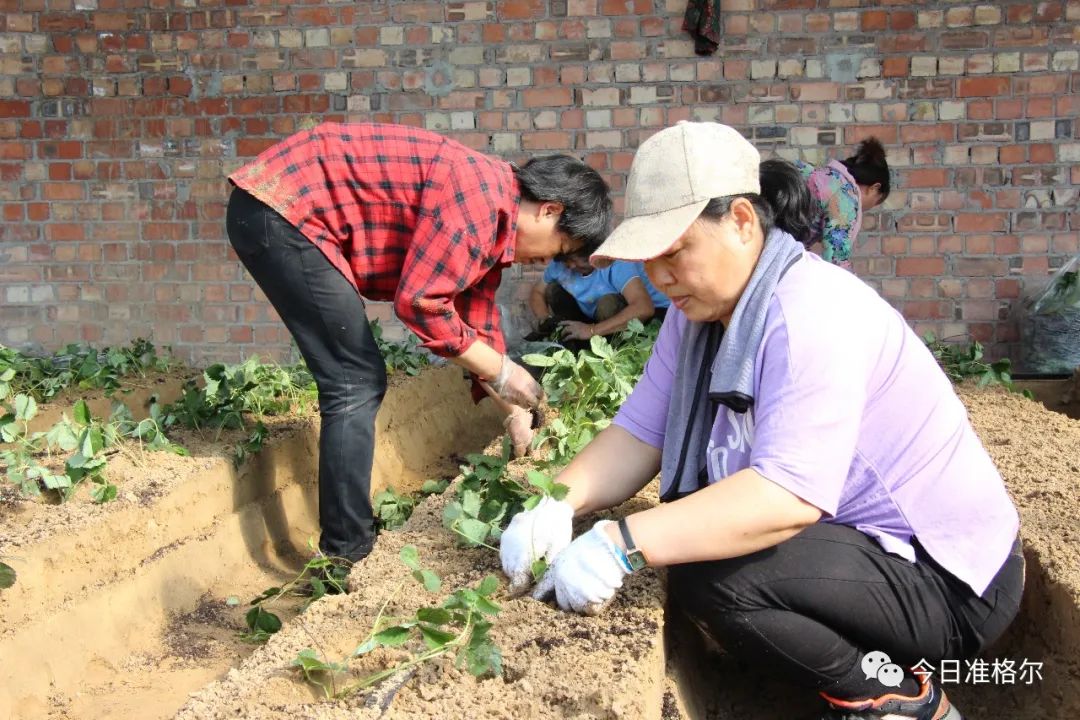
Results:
[895, 67]
[14, 108]
[546, 141]
[982, 87]
[911, 266]
[548, 97]
[981, 222]
[902, 20]
[927, 177]
[521, 9]
[927, 133]
[874, 20]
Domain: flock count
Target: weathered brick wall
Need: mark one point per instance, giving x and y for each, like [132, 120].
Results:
[120, 118]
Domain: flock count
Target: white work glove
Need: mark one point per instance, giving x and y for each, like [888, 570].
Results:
[587, 574]
[518, 426]
[542, 532]
[516, 386]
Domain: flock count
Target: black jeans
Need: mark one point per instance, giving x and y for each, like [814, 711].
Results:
[809, 608]
[327, 319]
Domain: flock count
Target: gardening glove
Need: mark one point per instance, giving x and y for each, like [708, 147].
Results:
[516, 386]
[574, 330]
[587, 574]
[542, 532]
[519, 425]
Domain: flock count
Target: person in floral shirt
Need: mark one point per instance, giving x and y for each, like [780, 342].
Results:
[843, 190]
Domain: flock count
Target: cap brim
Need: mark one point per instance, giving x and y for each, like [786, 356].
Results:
[646, 236]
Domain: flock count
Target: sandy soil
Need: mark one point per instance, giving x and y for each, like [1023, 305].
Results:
[564, 666]
[135, 588]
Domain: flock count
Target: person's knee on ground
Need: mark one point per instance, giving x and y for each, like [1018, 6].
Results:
[561, 303]
[609, 306]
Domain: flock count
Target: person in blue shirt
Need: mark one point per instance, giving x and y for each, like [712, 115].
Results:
[581, 301]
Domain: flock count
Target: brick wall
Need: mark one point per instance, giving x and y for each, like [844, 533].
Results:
[120, 118]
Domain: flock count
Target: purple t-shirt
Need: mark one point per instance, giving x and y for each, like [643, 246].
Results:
[852, 414]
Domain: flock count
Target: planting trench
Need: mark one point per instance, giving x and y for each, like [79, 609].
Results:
[632, 662]
[119, 609]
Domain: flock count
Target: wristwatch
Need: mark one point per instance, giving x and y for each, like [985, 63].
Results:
[634, 556]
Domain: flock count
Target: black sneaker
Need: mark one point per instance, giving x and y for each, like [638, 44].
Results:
[929, 704]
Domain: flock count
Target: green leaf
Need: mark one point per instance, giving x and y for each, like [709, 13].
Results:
[430, 580]
[56, 482]
[470, 503]
[474, 531]
[483, 659]
[259, 620]
[410, 556]
[488, 585]
[434, 637]
[435, 616]
[104, 493]
[434, 487]
[392, 636]
[539, 479]
[61, 436]
[308, 661]
[25, 407]
[538, 360]
[366, 647]
[538, 568]
[558, 491]
[7, 576]
[82, 413]
[487, 607]
[532, 501]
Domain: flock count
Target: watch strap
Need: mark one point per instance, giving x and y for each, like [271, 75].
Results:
[635, 557]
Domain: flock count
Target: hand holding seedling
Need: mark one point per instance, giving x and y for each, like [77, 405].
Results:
[534, 535]
[585, 575]
[574, 330]
[519, 425]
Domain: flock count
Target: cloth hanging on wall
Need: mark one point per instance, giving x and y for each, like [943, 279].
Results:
[702, 21]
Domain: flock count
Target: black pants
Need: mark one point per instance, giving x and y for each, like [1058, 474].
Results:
[809, 608]
[563, 306]
[327, 319]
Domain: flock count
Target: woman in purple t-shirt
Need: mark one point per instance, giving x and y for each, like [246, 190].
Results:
[828, 510]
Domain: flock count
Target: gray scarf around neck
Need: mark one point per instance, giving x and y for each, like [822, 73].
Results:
[729, 377]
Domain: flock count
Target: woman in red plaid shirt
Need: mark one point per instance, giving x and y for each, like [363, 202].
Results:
[343, 212]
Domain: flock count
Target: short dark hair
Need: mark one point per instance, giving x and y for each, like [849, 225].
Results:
[868, 165]
[784, 201]
[586, 215]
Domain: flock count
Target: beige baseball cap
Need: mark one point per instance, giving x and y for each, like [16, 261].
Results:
[675, 174]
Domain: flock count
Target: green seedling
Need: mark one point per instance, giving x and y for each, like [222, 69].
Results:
[588, 389]
[7, 576]
[434, 487]
[320, 576]
[960, 361]
[230, 396]
[392, 509]
[488, 497]
[460, 625]
[82, 366]
[405, 356]
[89, 441]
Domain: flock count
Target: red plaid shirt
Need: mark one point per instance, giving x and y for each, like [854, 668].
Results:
[406, 215]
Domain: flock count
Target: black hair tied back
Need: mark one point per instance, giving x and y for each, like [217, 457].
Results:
[868, 165]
